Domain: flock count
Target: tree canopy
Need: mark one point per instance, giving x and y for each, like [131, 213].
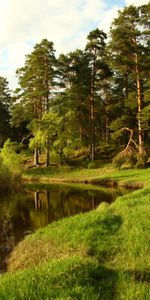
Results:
[84, 100]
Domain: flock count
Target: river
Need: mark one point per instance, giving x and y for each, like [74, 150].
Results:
[23, 212]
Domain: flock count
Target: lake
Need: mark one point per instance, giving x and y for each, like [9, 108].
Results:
[24, 212]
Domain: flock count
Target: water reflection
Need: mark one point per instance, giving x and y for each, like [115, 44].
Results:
[58, 202]
[22, 213]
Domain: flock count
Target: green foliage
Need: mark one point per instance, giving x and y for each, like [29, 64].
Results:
[83, 98]
[117, 124]
[38, 141]
[36, 80]
[72, 102]
[142, 158]
[117, 134]
[5, 99]
[126, 158]
[6, 179]
[131, 158]
[129, 46]
[92, 165]
[146, 121]
[10, 160]
[98, 86]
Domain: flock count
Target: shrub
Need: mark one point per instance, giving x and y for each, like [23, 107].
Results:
[92, 165]
[10, 159]
[127, 157]
[10, 166]
[130, 157]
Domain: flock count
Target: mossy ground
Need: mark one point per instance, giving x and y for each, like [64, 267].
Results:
[102, 254]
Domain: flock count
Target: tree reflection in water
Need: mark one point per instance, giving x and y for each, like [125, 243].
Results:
[7, 241]
[22, 213]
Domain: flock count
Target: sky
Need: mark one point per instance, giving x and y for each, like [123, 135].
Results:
[66, 23]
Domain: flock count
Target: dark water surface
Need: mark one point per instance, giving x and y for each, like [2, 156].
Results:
[23, 212]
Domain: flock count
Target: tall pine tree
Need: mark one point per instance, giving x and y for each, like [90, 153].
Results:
[37, 81]
[129, 47]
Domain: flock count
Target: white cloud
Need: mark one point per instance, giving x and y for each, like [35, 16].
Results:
[108, 17]
[65, 22]
[11, 58]
[24, 23]
[22, 20]
[136, 2]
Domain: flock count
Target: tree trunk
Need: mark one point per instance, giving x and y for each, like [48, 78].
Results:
[47, 153]
[92, 114]
[139, 99]
[80, 126]
[92, 154]
[106, 125]
[36, 200]
[36, 157]
[139, 102]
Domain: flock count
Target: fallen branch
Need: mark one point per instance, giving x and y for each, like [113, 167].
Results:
[130, 139]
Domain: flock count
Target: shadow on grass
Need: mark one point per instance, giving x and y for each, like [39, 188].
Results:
[42, 171]
[74, 280]
[90, 282]
[103, 237]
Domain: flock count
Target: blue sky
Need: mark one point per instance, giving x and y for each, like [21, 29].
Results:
[23, 23]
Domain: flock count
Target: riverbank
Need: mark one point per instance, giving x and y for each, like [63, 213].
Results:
[103, 254]
[105, 175]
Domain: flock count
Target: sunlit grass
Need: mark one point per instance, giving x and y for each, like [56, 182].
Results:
[72, 174]
[102, 254]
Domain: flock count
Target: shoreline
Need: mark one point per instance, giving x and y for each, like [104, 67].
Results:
[103, 182]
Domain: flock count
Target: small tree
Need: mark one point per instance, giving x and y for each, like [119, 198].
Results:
[10, 160]
[5, 99]
[10, 166]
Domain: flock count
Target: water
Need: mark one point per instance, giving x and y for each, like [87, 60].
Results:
[24, 212]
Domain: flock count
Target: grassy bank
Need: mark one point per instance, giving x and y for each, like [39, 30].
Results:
[84, 175]
[103, 254]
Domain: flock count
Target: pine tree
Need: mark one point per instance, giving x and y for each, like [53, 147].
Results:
[5, 100]
[99, 71]
[129, 46]
[74, 77]
[37, 81]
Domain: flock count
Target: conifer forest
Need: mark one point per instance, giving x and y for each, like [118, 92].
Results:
[93, 102]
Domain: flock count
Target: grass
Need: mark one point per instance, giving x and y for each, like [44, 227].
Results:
[102, 254]
[76, 174]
